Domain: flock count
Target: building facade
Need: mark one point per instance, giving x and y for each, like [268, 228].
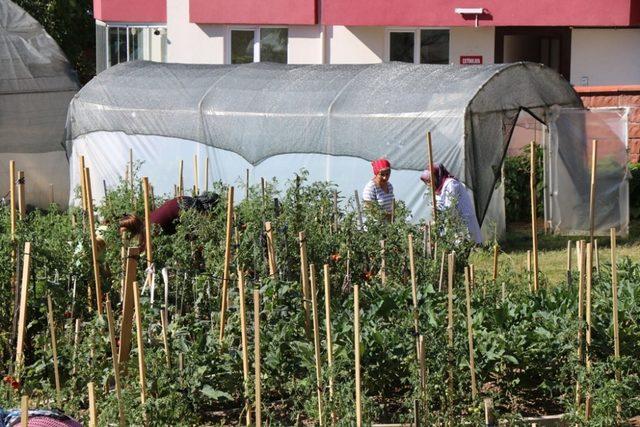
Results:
[594, 44]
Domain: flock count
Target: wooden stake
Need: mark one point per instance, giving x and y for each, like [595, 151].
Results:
[327, 321]
[596, 255]
[76, 340]
[434, 214]
[569, 262]
[54, 350]
[489, 416]
[114, 361]
[245, 345]
[147, 225]
[12, 197]
[316, 340]
[196, 178]
[126, 322]
[495, 262]
[359, 209]
[270, 249]
[592, 192]
[304, 281]
[581, 268]
[451, 268]
[614, 297]
[93, 413]
[246, 185]
[472, 364]
[94, 246]
[414, 289]
[83, 192]
[423, 368]
[356, 343]
[383, 264]
[441, 280]
[24, 294]
[227, 262]
[52, 200]
[165, 337]
[589, 273]
[141, 366]
[24, 411]
[534, 215]
[180, 179]
[22, 205]
[131, 174]
[256, 344]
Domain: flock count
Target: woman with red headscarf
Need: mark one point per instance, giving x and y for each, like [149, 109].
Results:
[379, 190]
[452, 193]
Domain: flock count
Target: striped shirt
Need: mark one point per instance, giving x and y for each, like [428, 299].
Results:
[373, 193]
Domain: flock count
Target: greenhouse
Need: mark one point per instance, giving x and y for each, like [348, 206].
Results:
[36, 85]
[331, 120]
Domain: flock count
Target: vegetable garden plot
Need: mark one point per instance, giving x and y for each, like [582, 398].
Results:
[412, 338]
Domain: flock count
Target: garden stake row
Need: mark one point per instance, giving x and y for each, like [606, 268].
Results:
[304, 281]
[227, 262]
[534, 216]
[327, 319]
[114, 361]
[316, 340]
[54, 350]
[472, 364]
[614, 297]
[94, 243]
[22, 321]
[256, 363]
[434, 211]
[245, 345]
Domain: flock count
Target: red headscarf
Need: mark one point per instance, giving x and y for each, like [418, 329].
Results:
[379, 165]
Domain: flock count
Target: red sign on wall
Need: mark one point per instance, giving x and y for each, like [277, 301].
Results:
[471, 60]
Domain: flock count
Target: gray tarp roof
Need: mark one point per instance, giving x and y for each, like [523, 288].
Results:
[367, 111]
[36, 84]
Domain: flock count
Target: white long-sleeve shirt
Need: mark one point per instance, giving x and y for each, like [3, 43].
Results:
[454, 191]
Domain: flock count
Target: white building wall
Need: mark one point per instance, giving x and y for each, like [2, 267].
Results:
[465, 41]
[305, 45]
[192, 43]
[601, 57]
[355, 45]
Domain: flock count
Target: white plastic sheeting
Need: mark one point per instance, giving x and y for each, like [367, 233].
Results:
[569, 171]
[36, 85]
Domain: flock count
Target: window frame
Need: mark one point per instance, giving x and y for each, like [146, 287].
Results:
[127, 27]
[256, 39]
[416, 40]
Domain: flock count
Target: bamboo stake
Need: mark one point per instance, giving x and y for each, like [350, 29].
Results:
[359, 209]
[76, 340]
[227, 262]
[24, 411]
[304, 279]
[489, 416]
[147, 230]
[495, 262]
[263, 191]
[180, 179]
[245, 345]
[22, 206]
[256, 344]
[114, 361]
[316, 340]
[141, 366]
[356, 343]
[434, 216]
[569, 262]
[94, 245]
[165, 338]
[596, 255]
[441, 280]
[82, 184]
[592, 192]
[24, 294]
[614, 297]
[451, 267]
[383, 263]
[270, 249]
[196, 178]
[12, 197]
[423, 368]
[472, 276]
[93, 413]
[336, 218]
[327, 320]
[54, 350]
[581, 267]
[534, 215]
[414, 289]
[589, 271]
[472, 364]
[126, 322]
[246, 185]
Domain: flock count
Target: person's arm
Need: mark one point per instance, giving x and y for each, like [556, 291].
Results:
[369, 196]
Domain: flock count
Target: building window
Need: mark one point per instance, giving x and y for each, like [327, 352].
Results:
[432, 46]
[128, 43]
[258, 45]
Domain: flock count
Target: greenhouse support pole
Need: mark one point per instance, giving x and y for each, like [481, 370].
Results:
[54, 350]
[316, 341]
[93, 413]
[614, 297]
[534, 215]
[114, 361]
[245, 345]
[432, 184]
[94, 242]
[227, 262]
[304, 281]
[356, 345]
[592, 192]
[22, 320]
[256, 345]
[327, 320]
[472, 364]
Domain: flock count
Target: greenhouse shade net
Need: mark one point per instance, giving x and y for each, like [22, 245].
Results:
[330, 119]
[36, 85]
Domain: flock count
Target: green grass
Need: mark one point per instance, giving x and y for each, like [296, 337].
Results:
[552, 251]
